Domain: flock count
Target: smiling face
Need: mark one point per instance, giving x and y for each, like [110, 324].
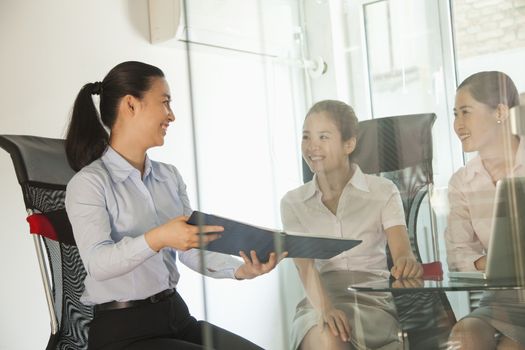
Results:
[153, 114]
[322, 145]
[475, 123]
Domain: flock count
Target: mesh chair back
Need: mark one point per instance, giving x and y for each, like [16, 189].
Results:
[43, 172]
[400, 149]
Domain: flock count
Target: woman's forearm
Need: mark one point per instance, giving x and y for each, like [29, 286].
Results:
[313, 286]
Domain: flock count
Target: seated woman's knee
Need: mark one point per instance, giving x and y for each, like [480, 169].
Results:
[473, 333]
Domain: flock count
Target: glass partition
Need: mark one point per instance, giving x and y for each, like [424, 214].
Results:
[407, 70]
[255, 68]
[248, 99]
[489, 36]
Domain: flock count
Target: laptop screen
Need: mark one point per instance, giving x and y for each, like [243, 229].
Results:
[506, 253]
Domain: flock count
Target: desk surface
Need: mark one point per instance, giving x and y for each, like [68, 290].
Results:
[412, 285]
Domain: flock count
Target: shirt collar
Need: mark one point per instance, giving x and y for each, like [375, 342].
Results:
[475, 165]
[358, 181]
[120, 169]
[310, 188]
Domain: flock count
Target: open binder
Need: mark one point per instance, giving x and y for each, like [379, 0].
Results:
[239, 236]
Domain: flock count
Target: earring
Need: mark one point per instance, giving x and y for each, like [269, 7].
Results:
[499, 121]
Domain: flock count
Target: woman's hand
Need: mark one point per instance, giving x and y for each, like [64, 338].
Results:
[481, 263]
[252, 267]
[408, 283]
[406, 267]
[337, 323]
[178, 234]
[405, 264]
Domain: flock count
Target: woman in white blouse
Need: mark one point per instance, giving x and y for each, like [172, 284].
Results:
[482, 124]
[343, 202]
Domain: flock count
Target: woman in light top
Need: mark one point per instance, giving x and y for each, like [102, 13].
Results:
[129, 215]
[343, 202]
[482, 124]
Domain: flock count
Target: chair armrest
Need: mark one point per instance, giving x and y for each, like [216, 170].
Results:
[433, 271]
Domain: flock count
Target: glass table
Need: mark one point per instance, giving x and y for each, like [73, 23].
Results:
[435, 284]
[423, 309]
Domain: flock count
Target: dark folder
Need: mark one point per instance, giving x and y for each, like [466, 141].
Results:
[238, 237]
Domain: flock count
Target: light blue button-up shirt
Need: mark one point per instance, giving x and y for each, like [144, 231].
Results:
[110, 208]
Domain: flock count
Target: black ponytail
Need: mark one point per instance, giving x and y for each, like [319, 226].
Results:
[87, 139]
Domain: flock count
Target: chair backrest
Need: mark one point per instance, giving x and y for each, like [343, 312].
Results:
[43, 172]
[400, 149]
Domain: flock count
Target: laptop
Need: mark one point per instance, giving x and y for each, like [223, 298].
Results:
[506, 251]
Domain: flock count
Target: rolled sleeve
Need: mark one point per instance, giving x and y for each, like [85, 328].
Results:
[393, 213]
[289, 219]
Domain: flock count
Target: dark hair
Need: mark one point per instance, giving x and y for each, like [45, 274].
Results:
[492, 88]
[342, 114]
[86, 138]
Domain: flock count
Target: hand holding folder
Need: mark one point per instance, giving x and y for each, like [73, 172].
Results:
[238, 237]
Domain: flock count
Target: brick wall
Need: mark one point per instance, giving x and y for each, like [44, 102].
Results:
[485, 26]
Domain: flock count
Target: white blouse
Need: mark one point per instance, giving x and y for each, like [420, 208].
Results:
[471, 195]
[368, 205]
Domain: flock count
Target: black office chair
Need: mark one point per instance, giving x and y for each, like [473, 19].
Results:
[400, 149]
[43, 172]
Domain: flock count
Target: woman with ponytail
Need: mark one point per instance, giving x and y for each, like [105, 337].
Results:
[129, 217]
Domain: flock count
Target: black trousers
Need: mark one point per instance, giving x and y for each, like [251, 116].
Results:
[166, 325]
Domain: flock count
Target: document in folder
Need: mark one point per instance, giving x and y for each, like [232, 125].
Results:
[239, 236]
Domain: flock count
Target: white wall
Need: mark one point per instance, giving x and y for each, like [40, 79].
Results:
[48, 49]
